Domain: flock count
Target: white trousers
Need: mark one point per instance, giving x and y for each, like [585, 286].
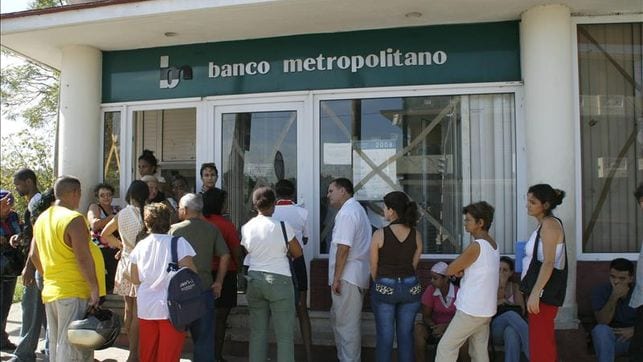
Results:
[462, 327]
[60, 313]
[346, 319]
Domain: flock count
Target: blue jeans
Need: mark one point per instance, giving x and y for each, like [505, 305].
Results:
[511, 330]
[606, 343]
[33, 318]
[202, 331]
[395, 303]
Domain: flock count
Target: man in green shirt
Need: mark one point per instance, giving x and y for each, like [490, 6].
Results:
[207, 241]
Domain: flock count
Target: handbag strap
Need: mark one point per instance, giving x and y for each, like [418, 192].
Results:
[283, 231]
[535, 252]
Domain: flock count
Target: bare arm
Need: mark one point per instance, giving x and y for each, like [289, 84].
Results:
[29, 271]
[427, 312]
[340, 263]
[34, 256]
[77, 236]
[468, 257]
[606, 314]
[224, 260]
[134, 275]
[188, 263]
[550, 233]
[93, 216]
[108, 233]
[376, 244]
[294, 248]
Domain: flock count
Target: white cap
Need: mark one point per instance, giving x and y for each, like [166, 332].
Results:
[440, 268]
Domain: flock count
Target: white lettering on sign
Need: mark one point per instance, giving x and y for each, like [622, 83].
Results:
[382, 59]
[237, 69]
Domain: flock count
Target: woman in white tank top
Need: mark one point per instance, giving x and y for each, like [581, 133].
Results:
[541, 200]
[476, 302]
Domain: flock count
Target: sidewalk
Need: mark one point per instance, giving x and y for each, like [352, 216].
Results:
[116, 353]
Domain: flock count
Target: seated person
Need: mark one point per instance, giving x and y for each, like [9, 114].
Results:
[508, 328]
[438, 308]
[610, 301]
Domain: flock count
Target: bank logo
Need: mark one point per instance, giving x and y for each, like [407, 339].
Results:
[171, 76]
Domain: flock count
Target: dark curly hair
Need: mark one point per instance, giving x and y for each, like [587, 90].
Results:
[547, 194]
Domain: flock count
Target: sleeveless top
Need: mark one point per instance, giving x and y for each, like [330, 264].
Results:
[396, 257]
[62, 276]
[478, 294]
[559, 261]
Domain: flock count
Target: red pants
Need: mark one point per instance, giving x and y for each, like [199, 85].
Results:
[542, 337]
[159, 341]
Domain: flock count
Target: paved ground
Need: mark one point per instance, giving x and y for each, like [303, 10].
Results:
[113, 354]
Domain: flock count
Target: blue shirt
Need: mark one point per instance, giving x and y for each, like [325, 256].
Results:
[624, 315]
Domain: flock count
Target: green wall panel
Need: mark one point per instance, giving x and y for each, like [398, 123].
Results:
[486, 52]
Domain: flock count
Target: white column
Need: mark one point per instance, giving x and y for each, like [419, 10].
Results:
[546, 57]
[79, 130]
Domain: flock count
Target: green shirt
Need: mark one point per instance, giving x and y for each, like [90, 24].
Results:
[207, 242]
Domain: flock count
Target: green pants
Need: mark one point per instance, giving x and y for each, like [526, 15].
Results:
[271, 294]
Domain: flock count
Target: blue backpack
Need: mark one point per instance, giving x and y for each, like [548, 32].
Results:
[184, 293]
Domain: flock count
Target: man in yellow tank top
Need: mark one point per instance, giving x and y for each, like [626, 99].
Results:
[72, 267]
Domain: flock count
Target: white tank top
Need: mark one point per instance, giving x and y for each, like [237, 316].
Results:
[559, 261]
[478, 295]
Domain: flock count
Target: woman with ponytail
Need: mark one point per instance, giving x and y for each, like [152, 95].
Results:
[541, 200]
[128, 223]
[396, 291]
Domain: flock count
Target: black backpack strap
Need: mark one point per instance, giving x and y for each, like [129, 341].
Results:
[174, 263]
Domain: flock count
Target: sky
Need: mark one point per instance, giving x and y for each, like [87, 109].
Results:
[10, 6]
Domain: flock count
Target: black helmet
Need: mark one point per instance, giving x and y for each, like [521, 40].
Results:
[98, 330]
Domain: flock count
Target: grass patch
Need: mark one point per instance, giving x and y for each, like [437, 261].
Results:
[17, 294]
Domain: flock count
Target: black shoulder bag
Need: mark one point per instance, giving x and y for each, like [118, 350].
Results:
[554, 291]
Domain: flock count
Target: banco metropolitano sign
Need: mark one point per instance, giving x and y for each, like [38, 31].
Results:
[467, 53]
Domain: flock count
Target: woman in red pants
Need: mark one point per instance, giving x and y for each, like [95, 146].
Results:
[541, 200]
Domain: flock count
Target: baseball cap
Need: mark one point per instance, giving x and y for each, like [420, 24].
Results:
[440, 268]
[4, 193]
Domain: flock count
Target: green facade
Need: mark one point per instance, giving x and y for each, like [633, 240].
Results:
[445, 54]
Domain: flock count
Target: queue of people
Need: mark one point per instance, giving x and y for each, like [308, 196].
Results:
[127, 252]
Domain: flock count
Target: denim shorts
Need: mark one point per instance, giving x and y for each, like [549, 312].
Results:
[396, 290]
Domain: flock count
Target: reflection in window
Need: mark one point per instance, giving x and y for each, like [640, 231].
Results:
[610, 64]
[259, 149]
[171, 135]
[443, 151]
[111, 151]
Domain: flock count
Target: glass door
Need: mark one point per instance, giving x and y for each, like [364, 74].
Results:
[258, 147]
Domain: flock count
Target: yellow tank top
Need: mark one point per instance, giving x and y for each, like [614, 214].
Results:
[61, 274]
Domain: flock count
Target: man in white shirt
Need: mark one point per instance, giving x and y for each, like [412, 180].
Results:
[296, 216]
[348, 268]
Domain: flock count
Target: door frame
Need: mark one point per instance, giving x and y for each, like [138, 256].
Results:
[209, 139]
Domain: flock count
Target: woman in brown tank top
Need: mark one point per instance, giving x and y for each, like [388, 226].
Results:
[396, 291]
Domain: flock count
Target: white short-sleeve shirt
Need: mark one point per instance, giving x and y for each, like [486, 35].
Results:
[263, 239]
[152, 256]
[296, 216]
[353, 229]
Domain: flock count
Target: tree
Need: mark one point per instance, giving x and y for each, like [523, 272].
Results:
[29, 94]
